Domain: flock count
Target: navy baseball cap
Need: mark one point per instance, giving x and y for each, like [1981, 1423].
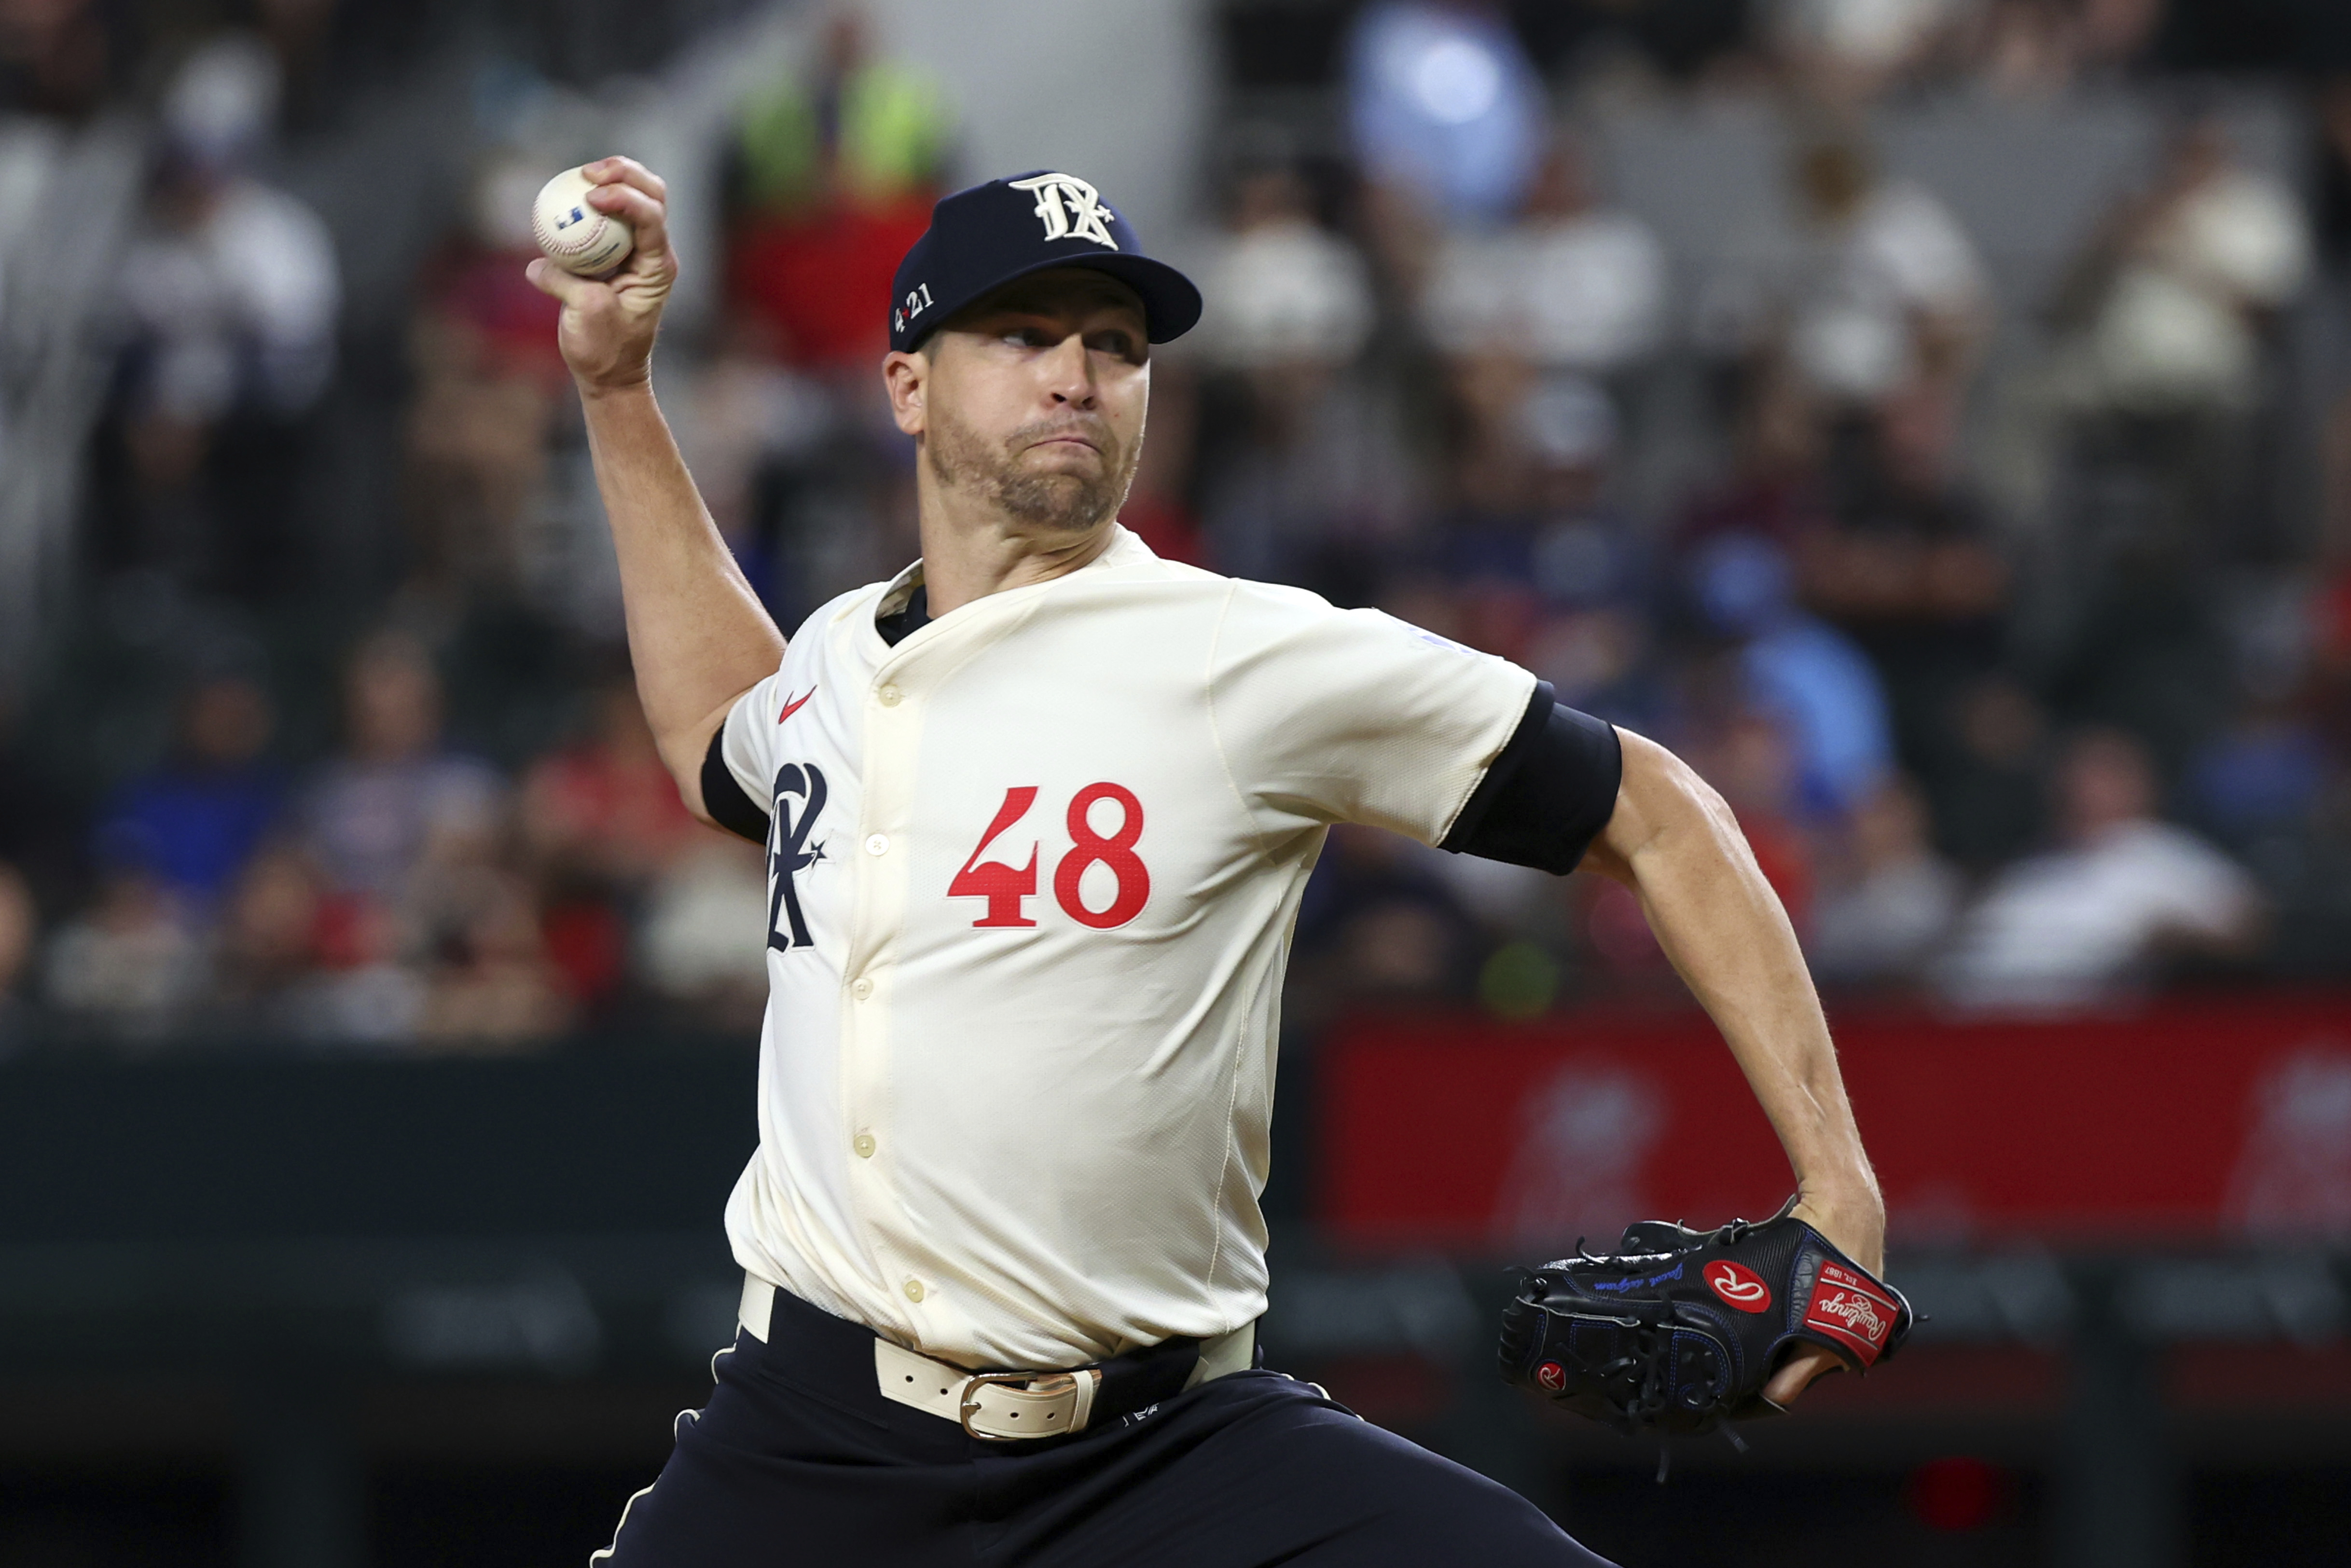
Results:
[983, 239]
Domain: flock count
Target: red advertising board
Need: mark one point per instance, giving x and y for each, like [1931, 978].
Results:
[2204, 1118]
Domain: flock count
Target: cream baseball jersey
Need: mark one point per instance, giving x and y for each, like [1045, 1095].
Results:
[1031, 876]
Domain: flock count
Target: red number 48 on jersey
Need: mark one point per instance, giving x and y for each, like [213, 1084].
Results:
[1006, 888]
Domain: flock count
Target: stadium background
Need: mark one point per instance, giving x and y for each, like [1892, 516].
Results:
[1928, 415]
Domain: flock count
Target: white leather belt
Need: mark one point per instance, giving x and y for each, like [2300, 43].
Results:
[1005, 1406]
[1002, 1404]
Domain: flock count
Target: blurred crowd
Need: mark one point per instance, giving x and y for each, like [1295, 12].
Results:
[1996, 747]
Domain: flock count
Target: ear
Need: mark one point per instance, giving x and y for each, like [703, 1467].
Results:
[906, 378]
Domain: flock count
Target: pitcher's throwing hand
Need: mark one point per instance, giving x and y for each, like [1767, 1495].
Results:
[609, 324]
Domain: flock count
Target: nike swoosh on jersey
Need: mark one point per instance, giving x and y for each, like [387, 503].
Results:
[792, 707]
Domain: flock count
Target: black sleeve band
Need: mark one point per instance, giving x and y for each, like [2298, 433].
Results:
[1548, 793]
[727, 801]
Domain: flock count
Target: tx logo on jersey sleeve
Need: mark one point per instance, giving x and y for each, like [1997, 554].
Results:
[789, 852]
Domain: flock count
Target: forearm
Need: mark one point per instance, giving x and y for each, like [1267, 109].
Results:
[697, 635]
[696, 632]
[1675, 844]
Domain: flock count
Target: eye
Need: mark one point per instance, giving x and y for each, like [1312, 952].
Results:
[1029, 338]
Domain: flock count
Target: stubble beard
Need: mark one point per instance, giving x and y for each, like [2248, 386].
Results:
[1050, 503]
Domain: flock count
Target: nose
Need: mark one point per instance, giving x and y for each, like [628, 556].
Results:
[1069, 374]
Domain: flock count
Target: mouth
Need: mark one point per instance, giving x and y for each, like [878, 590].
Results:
[1066, 442]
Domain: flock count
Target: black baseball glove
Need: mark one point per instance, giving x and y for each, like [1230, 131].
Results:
[1680, 1329]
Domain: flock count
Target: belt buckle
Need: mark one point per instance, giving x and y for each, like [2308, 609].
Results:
[968, 1406]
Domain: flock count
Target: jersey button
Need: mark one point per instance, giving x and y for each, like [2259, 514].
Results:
[890, 696]
[864, 1144]
[878, 844]
[914, 1290]
[862, 989]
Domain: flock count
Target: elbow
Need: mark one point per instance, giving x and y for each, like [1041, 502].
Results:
[682, 755]
[686, 754]
[1669, 804]
[1672, 826]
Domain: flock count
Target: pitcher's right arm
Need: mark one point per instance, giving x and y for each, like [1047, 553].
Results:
[698, 636]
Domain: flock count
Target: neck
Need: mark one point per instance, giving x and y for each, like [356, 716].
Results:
[971, 549]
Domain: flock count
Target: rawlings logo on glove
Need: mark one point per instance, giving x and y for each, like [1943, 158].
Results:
[1854, 1311]
[1679, 1330]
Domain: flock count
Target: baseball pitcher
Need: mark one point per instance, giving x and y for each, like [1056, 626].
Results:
[1038, 813]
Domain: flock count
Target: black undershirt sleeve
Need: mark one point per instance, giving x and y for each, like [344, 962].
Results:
[729, 804]
[1548, 793]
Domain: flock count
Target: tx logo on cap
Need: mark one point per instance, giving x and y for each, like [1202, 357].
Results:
[1071, 208]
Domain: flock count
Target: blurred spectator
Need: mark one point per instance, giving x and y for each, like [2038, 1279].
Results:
[1572, 286]
[1434, 378]
[1379, 920]
[294, 960]
[837, 173]
[494, 988]
[70, 178]
[2024, 48]
[1302, 450]
[131, 966]
[704, 944]
[1777, 488]
[1911, 546]
[1990, 789]
[602, 821]
[1530, 535]
[2072, 927]
[607, 809]
[1890, 290]
[1881, 920]
[2262, 777]
[1283, 290]
[19, 928]
[1808, 675]
[267, 938]
[746, 416]
[474, 283]
[370, 814]
[230, 295]
[56, 59]
[2173, 298]
[2037, 49]
[1906, 562]
[360, 992]
[192, 823]
[1446, 107]
[869, 130]
[2168, 370]
[487, 390]
[1849, 50]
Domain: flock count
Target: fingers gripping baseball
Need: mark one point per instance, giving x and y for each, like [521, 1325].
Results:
[608, 326]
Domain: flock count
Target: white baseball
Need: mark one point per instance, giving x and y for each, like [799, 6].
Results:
[575, 235]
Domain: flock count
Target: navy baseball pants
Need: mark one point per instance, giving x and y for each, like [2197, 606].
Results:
[797, 1460]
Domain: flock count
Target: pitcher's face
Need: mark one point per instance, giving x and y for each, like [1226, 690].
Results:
[1033, 399]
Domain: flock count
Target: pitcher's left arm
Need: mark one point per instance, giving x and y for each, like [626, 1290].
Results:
[1675, 844]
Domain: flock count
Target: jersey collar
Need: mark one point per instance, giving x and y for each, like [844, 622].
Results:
[1124, 549]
